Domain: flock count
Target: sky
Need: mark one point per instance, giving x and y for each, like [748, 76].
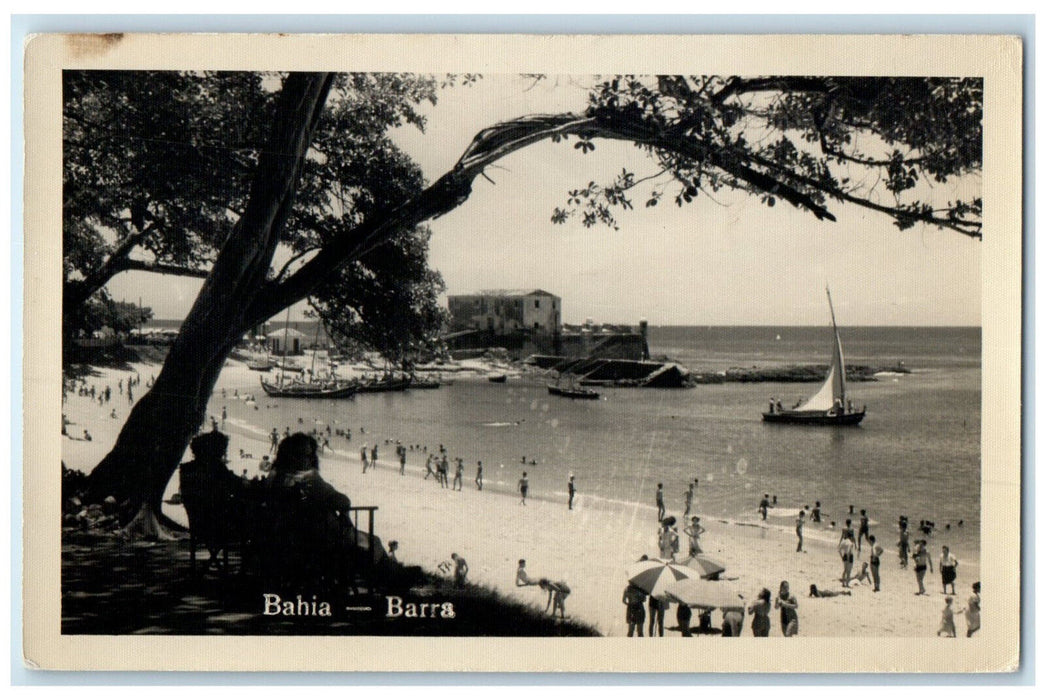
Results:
[731, 261]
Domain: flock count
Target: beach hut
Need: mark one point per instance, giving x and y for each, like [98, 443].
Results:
[293, 339]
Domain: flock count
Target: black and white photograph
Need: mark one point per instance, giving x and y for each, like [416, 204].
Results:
[528, 353]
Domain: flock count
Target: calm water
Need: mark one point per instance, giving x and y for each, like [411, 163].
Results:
[917, 452]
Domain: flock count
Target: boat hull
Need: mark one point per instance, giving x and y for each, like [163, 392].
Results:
[814, 418]
[572, 393]
[300, 391]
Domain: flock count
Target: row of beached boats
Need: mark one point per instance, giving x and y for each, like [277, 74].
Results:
[335, 388]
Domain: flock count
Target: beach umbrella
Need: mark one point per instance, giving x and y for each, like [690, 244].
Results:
[697, 593]
[652, 575]
[708, 568]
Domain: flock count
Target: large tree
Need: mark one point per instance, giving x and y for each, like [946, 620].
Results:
[777, 138]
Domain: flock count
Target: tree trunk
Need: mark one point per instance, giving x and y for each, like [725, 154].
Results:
[154, 438]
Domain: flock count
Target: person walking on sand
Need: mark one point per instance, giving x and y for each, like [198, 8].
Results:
[799, 523]
[461, 569]
[274, 440]
[947, 564]
[428, 469]
[694, 532]
[523, 486]
[921, 556]
[846, 553]
[862, 530]
[789, 607]
[363, 458]
[571, 492]
[459, 469]
[947, 627]
[973, 610]
[441, 471]
[815, 514]
[635, 612]
[374, 456]
[688, 500]
[760, 612]
[659, 499]
[874, 560]
[479, 476]
[764, 505]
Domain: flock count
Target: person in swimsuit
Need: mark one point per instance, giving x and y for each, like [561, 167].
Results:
[947, 563]
[902, 545]
[479, 476]
[657, 616]
[694, 533]
[659, 500]
[848, 531]
[800, 521]
[760, 612]
[688, 500]
[862, 530]
[816, 592]
[524, 486]
[815, 514]
[571, 492]
[557, 596]
[635, 611]
[846, 553]
[668, 539]
[764, 505]
[973, 610]
[874, 559]
[789, 607]
[522, 579]
[922, 560]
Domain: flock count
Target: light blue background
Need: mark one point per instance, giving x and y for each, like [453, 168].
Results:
[24, 25]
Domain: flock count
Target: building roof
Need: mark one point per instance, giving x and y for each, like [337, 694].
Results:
[290, 332]
[507, 293]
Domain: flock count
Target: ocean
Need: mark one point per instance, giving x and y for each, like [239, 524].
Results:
[917, 453]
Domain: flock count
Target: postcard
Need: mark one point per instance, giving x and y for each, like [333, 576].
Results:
[498, 353]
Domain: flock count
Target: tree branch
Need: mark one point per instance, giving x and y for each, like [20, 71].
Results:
[163, 268]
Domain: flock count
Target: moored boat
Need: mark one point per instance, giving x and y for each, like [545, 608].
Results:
[311, 390]
[497, 378]
[829, 406]
[572, 392]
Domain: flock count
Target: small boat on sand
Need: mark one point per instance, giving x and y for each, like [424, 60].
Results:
[829, 405]
[497, 378]
[572, 392]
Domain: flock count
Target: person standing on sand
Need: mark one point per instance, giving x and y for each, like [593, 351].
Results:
[461, 569]
[479, 476]
[274, 440]
[657, 617]
[688, 500]
[403, 460]
[848, 532]
[668, 539]
[428, 469]
[799, 523]
[694, 533]
[760, 612]
[683, 617]
[902, 546]
[973, 610]
[921, 556]
[815, 514]
[524, 486]
[363, 457]
[874, 559]
[863, 532]
[948, 564]
[374, 456]
[635, 612]
[947, 619]
[659, 500]
[571, 490]
[442, 467]
[846, 553]
[459, 470]
[764, 505]
[789, 607]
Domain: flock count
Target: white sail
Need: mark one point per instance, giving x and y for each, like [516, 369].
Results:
[833, 391]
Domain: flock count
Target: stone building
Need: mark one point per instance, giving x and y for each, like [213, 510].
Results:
[506, 312]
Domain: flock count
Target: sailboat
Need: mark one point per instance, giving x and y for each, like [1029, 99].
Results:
[828, 406]
[313, 388]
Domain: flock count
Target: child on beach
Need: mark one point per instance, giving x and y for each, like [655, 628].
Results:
[947, 619]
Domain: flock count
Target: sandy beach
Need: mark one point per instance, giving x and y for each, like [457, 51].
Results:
[588, 547]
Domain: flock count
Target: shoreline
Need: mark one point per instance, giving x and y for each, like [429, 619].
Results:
[588, 547]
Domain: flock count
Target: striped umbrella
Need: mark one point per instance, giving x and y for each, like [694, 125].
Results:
[696, 593]
[653, 575]
[708, 568]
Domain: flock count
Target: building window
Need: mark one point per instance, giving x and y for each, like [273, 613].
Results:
[537, 303]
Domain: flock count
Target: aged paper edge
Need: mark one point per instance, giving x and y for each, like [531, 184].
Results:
[998, 59]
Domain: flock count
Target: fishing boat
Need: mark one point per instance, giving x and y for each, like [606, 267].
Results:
[261, 362]
[339, 389]
[572, 392]
[416, 383]
[829, 405]
[387, 383]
